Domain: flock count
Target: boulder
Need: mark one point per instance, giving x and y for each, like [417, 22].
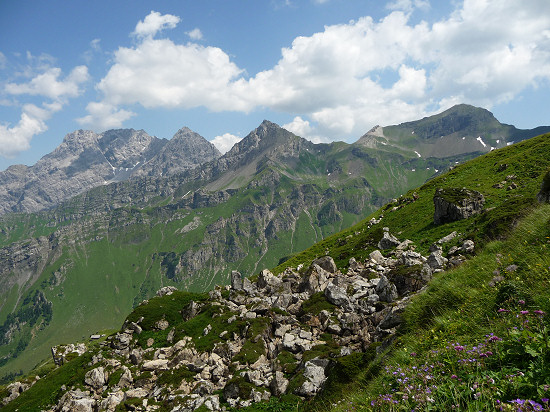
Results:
[337, 296]
[268, 279]
[437, 261]
[410, 258]
[315, 280]
[126, 379]
[157, 364]
[388, 241]
[96, 378]
[394, 317]
[76, 401]
[447, 238]
[112, 400]
[468, 246]
[386, 291]
[167, 290]
[161, 324]
[452, 204]
[314, 373]
[190, 311]
[278, 384]
[377, 257]
[327, 263]
[14, 390]
[236, 280]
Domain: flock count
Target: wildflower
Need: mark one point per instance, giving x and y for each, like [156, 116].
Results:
[539, 312]
[454, 376]
[545, 400]
[494, 338]
[503, 310]
[524, 312]
[459, 348]
[521, 302]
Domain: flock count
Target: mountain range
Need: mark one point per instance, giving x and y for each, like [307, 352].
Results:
[131, 214]
[436, 300]
[86, 159]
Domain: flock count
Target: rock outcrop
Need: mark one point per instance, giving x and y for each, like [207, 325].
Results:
[453, 204]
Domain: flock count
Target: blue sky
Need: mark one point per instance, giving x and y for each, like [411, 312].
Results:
[325, 69]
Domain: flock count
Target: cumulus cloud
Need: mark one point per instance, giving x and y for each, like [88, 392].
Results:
[155, 22]
[303, 128]
[299, 127]
[105, 116]
[47, 84]
[348, 77]
[32, 122]
[161, 73]
[195, 34]
[225, 142]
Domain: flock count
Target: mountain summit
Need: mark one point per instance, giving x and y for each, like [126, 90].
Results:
[86, 159]
[460, 130]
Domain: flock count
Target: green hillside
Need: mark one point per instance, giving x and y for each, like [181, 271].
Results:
[93, 262]
[458, 346]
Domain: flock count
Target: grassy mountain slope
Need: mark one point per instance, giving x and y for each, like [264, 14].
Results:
[521, 166]
[459, 130]
[100, 254]
[459, 309]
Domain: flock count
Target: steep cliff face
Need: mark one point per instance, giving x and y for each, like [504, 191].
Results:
[184, 151]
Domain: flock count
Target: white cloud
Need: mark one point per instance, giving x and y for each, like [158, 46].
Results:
[351, 76]
[299, 127]
[3, 60]
[47, 84]
[225, 142]
[32, 122]
[105, 116]
[304, 129]
[195, 34]
[155, 22]
[160, 73]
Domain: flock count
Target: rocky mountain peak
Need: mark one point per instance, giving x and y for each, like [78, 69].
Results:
[86, 159]
[267, 136]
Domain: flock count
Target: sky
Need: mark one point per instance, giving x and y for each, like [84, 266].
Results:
[324, 69]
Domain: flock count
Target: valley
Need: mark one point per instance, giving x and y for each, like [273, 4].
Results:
[273, 201]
